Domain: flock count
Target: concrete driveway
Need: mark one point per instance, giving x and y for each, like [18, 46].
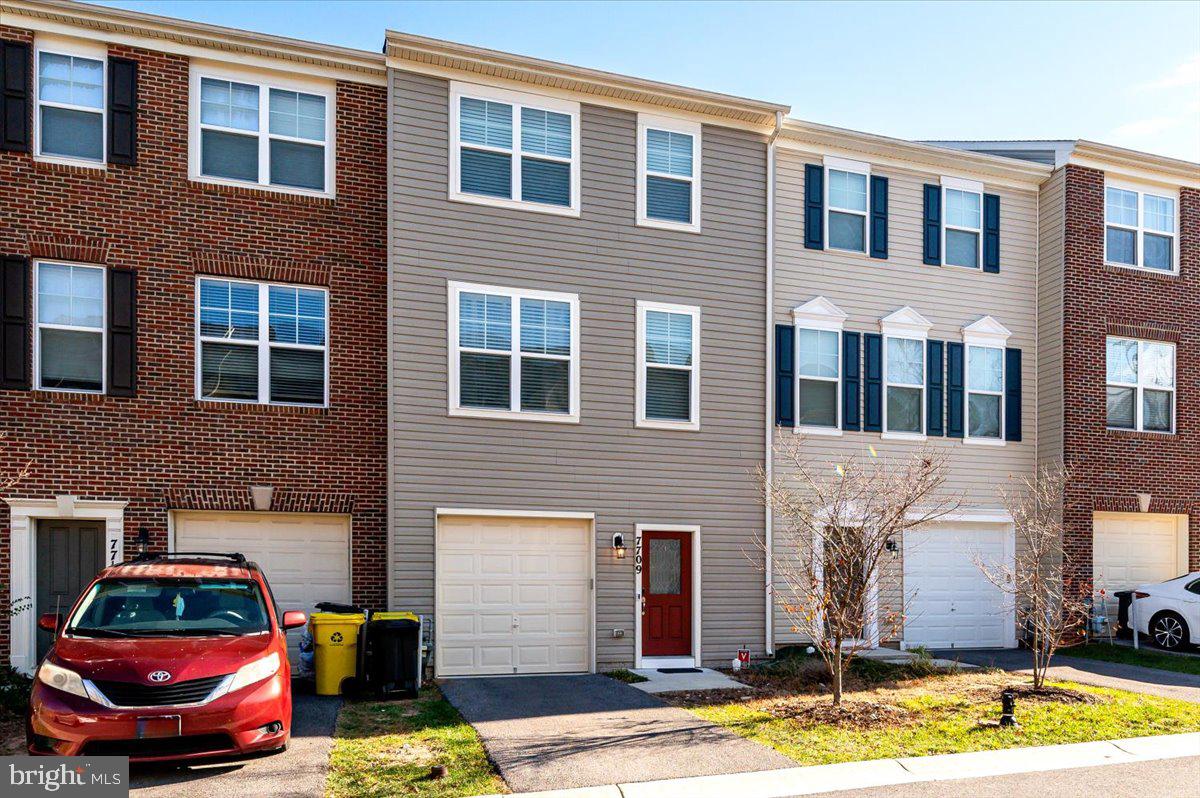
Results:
[298, 771]
[552, 732]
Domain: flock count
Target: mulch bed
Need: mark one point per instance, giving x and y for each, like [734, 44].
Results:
[12, 734]
[857, 714]
[1060, 695]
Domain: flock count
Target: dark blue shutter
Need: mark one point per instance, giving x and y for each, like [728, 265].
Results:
[851, 382]
[814, 206]
[991, 233]
[873, 404]
[935, 395]
[785, 375]
[955, 392]
[933, 225]
[14, 96]
[1012, 394]
[14, 323]
[122, 111]
[879, 217]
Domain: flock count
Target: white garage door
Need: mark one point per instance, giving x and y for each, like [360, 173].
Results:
[1131, 549]
[513, 595]
[949, 602]
[305, 557]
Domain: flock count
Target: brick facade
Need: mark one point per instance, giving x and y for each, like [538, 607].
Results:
[162, 449]
[1109, 468]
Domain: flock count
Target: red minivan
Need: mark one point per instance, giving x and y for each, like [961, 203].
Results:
[167, 657]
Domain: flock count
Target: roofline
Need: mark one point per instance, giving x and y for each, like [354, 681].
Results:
[1161, 167]
[408, 48]
[134, 27]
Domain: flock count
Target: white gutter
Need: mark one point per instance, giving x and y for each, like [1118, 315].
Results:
[769, 426]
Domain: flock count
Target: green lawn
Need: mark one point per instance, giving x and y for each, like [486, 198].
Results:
[386, 748]
[941, 715]
[1146, 657]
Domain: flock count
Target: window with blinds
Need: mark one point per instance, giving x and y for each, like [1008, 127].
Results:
[668, 173]
[668, 382]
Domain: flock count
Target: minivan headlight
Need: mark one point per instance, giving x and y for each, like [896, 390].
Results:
[62, 679]
[255, 671]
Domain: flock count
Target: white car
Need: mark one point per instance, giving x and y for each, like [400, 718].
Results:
[1169, 612]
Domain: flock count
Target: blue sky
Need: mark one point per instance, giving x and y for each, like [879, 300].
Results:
[1122, 73]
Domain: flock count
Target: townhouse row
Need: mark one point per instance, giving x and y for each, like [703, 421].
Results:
[504, 341]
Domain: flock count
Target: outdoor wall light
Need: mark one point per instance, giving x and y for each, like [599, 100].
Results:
[619, 545]
[892, 546]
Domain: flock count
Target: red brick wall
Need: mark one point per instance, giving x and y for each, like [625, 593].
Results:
[1109, 468]
[162, 449]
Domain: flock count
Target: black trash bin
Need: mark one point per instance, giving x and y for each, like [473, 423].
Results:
[393, 660]
[1124, 599]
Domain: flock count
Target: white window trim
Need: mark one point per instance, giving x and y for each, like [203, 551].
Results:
[693, 423]
[514, 413]
[517, 100]
[1140, 386]
[77, 49]
[818, 314]
[905, 323]
[694, 129]
[972, 187]
[986, 332]
[833, 164]
[38, 326]
[263, 343]
[1140, 231]
[265, 82]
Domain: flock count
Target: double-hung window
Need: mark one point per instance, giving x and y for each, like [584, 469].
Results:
[69, 345]
[985, 392]
[904, 381]
[668, 175]
[846, 204]
[514, 150]
[262, 342]
[1140, 228]
[70, 105]
[963, 230]
[1140, 385]
[668, 366]
[513, 353]
[245, 130]
[818, 369]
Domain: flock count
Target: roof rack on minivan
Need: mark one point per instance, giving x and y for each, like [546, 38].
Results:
[236, 557]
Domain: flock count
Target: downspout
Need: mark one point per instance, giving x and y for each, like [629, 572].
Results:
[769, 420]
[390, 366]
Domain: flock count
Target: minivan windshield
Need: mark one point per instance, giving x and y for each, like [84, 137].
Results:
[142, 607]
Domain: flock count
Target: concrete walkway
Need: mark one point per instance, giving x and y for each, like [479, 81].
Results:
[1136, 679]
[704, 679]
[550, 732]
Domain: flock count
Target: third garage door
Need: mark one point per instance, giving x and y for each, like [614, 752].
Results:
[1132, 549]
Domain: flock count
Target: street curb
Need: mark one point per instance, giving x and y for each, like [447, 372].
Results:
[817, 779]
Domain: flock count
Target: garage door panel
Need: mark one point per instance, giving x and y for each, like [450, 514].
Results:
[1131, 549]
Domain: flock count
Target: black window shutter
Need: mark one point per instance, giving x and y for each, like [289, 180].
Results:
[814, 206]
[935, 395]
[873, 403]
[955, 393]
[14, 96]
[991, 233]
[933, 225]
[14, 323]
[122, 111]
[851, 381]
[879, 217]
[1012, 394]
[122, 332]
[785, 375]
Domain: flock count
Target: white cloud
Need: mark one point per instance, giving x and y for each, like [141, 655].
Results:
[1186, 74]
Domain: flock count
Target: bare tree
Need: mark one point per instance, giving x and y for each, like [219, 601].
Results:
[839, 523]
[1051, 607]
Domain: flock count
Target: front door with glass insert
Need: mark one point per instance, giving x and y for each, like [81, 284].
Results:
[666, 594]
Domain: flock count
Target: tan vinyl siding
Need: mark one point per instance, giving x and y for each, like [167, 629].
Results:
[604, 465]
[1050, 319]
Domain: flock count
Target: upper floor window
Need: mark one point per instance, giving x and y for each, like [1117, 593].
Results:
[261, 342]
[668, 367]
[70, 105]
[1140, 385]
[985, 392]
[1139, 228]
[514, 150]
[69, 345]
[246, 130]
[904, 379]
[668, 174]
[963, 231]
[818, 372]
[846, 204]
[513, 353]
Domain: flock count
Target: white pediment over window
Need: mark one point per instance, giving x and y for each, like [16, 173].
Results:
[986, 332]
[819, 314]
[905, 323]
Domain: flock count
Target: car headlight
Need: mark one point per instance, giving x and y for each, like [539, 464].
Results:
[62, 679]
[255, 671]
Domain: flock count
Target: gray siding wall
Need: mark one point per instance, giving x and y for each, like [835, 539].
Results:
[1051, 202]
[604, 464]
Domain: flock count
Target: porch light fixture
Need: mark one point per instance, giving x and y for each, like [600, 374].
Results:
[619, 545]
[892, 546]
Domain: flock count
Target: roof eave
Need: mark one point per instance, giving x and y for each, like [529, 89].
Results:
[1106, 156]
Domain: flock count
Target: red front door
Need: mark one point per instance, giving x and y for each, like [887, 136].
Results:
[666, 594]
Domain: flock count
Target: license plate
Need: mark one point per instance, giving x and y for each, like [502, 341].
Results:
[159, 726]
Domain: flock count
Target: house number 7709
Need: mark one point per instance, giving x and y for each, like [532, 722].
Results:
[637, 555]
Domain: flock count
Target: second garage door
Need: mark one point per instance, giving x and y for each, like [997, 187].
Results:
[513, 595]
[1132, 549]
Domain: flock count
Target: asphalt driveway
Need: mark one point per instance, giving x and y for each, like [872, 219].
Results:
[552, 732]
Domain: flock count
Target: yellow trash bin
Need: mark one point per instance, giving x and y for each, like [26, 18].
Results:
[335, 649]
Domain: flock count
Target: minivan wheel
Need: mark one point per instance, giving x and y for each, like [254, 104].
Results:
[1169, 631]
